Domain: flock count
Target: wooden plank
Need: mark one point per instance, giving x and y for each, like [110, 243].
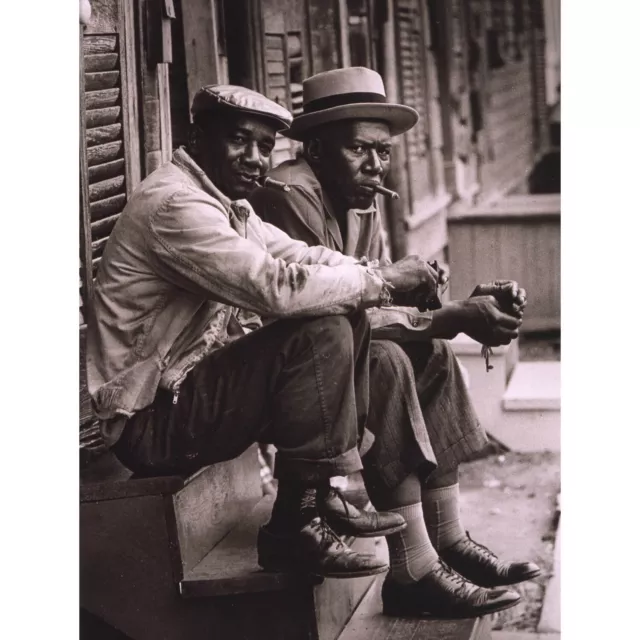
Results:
[103, 227]
[106, 190]
[101, 62]
[104, 153]
[97, 247]
[99, 44]
[85, 220]
[102, 135]
[107, 170]
[102, 99]
[212, 502]
[368, 623]
[102, 80]
[232, 566]
[101, 117]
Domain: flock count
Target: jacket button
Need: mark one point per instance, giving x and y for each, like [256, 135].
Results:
[414, 323]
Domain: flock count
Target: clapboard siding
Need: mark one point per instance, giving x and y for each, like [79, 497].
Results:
[525, 248]
[509, 120]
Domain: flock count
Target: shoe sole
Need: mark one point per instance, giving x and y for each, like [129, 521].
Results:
[399, 613]
[529, 576]
[368, 534]
[372, 534]
[363, 573]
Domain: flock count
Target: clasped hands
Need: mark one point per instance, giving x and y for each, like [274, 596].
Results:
[492, 315]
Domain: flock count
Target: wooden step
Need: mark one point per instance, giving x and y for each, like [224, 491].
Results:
[530, 419]
[231, 568]
[202, 508]
[368, 623]
[226, 595]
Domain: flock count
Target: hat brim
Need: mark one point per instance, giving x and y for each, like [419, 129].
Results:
[400, 118]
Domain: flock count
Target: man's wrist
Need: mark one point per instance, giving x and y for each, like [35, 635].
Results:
[448, 321]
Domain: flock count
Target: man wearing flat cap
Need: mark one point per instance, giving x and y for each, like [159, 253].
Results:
[419, 403]
[182, 370]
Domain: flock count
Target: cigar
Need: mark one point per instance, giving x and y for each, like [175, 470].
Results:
[266, 181]
[386, 192]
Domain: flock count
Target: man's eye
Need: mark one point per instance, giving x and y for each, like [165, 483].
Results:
[265, 150]
[384, 153]
[357, 148]
[238, 139]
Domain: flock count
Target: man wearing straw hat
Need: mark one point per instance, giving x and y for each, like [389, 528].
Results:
[420, 410]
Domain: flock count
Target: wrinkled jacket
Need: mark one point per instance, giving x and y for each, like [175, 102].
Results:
[305, 212]
[184, 272]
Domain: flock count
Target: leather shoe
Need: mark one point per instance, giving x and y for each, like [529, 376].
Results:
[315, 550]
[444, 594]
[347, 520]
[480, 565]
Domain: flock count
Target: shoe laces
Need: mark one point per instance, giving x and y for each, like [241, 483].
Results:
[328, 536]
[460, 586]
[483, 551]
[308, 500]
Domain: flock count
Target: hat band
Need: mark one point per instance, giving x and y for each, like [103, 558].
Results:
[341, 99]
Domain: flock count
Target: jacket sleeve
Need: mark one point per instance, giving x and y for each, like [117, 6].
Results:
[193, 245]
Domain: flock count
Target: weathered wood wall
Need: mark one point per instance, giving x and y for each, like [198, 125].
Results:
[518, 239]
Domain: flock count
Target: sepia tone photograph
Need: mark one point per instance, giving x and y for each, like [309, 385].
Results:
[319, 319]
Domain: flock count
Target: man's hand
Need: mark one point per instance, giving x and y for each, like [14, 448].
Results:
[511, 298]
[411, 272]
[482, 319]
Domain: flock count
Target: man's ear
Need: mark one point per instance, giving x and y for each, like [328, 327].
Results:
[314, 149]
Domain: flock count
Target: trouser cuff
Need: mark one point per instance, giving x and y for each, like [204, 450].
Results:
[314, 472]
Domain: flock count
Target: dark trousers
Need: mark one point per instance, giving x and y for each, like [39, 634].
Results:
[420, 412]
[302, 385]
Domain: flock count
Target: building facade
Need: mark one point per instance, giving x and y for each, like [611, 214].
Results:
[475, 70]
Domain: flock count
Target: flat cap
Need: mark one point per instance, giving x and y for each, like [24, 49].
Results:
[215, 96]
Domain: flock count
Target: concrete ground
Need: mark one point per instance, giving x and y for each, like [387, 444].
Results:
[509, 503]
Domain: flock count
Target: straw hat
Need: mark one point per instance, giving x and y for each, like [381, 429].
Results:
[352, 93]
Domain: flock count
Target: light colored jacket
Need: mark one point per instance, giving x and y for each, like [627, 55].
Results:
[184, 272]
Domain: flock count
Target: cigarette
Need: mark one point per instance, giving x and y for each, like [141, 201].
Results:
[386, 192]
[266, 181]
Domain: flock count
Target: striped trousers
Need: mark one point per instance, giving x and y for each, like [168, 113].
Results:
[420, 411]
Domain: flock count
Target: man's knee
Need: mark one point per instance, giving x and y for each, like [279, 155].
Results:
[390, 359]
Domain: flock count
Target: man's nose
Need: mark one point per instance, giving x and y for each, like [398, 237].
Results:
[251, 155]
[373, 164]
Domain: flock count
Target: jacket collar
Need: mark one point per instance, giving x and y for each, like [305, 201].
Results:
[189, 166]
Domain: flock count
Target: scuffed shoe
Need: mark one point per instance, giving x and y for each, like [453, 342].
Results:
[346, 519]
[480, 565]
[444, 594]
[315, 550]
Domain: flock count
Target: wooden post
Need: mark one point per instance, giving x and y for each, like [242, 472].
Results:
[202, 56]
[397, 179]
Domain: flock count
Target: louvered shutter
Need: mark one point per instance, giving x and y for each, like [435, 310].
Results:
[286, 63]
[109, 152]
[280, 89]
[412, 76]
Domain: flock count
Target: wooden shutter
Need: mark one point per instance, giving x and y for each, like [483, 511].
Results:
[109, 151]
[412, 83]
[286, 62]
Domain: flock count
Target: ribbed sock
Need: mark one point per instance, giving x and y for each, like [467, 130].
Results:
[411, 554]
[442, 515]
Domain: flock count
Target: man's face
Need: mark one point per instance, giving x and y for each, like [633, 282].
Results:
[234, 151]
[354, 155]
